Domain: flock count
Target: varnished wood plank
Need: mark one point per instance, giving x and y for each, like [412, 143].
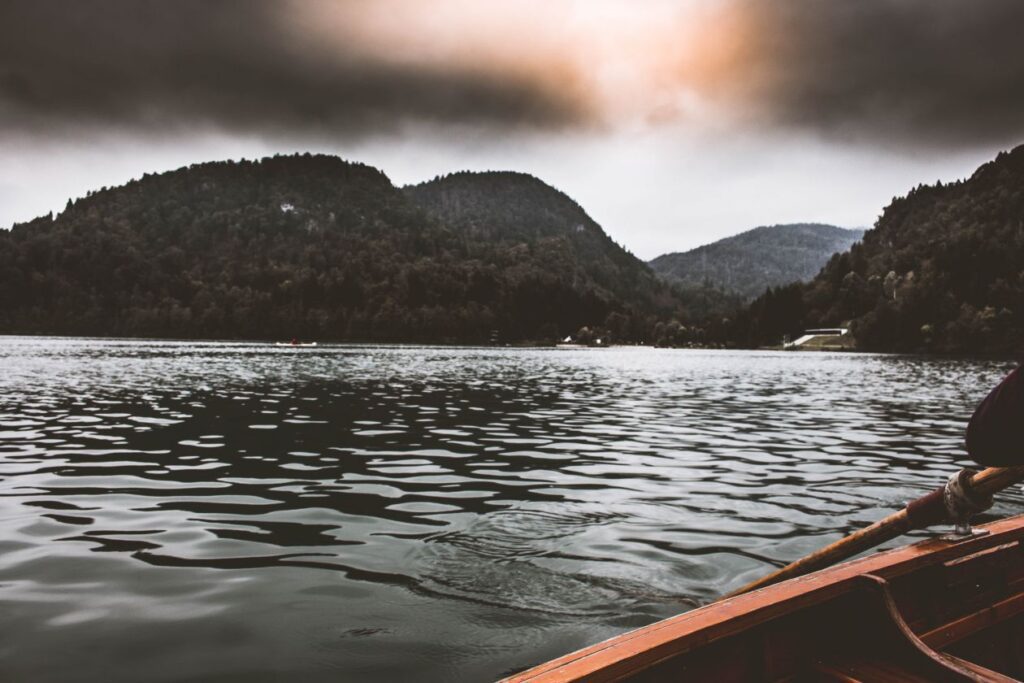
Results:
[970, 624]
[828, 672]
[971, 557]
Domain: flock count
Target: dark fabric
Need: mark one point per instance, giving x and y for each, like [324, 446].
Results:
[927, 510]
[995, 434]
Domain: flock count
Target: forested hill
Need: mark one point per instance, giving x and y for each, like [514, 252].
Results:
[943, 271]
[519, 213]
[752, 261]
[319, 248]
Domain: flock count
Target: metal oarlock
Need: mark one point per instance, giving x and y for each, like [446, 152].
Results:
[961, 504]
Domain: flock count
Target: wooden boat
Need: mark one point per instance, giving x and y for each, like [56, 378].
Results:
[296, 345]
[938, 610]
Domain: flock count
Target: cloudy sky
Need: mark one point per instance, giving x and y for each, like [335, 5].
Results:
[673, 122]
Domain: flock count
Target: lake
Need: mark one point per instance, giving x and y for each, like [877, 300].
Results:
[186, 511]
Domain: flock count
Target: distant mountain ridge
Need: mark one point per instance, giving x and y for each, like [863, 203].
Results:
[315, 247]
[752, 261]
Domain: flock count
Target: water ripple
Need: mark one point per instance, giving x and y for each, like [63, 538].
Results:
[226, 511]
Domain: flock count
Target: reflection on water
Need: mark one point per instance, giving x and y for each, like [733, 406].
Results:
[199, 511]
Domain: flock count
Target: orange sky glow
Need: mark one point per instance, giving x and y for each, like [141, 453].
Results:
[606, 61]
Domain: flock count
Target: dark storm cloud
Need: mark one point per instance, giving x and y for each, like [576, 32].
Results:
[236, 64]
[916, 71]
[907, 72]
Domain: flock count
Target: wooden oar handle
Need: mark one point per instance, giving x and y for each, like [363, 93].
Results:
[995, 479]
[881, 531]
[923, 512]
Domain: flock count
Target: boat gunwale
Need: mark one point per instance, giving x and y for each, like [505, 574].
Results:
[617, 656]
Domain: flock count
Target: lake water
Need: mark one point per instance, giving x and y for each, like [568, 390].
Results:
[240, 512]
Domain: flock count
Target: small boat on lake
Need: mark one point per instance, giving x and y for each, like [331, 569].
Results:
[940, 610]
[296, 344]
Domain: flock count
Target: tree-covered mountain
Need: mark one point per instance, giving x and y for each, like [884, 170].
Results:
[750, 262]
[316, 247]
[499, 215]
[942, 271]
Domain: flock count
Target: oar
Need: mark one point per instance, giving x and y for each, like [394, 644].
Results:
[933, 508]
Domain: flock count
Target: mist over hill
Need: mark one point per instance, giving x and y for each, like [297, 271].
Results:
[319, 248]
[748, 263]
[942, 271]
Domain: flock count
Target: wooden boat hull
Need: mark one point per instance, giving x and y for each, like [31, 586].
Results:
[932, 611]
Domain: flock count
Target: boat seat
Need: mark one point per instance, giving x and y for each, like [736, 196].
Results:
[881, 646]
